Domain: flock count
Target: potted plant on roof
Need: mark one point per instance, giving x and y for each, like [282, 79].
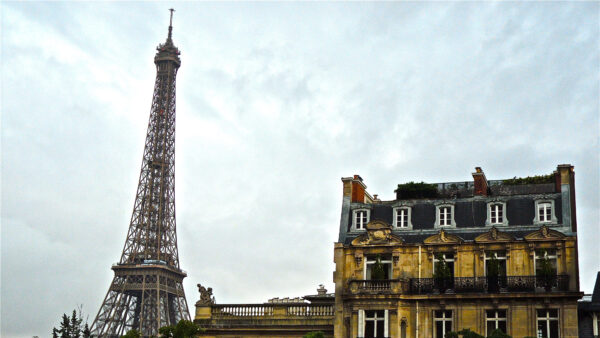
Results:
[441, 274]
[493, 272]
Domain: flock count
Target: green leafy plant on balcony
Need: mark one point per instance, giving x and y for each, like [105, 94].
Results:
[547, 273]
[467, 333]
[493, 273]
[416, 190]
[378, 270]
[538, 179]
[441, 274]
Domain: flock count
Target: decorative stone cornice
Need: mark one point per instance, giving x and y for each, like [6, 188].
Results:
[494, 235]
[544, 234]
[378, 233]
[442, 237]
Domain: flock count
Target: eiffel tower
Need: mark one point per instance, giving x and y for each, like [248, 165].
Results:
[147, 291]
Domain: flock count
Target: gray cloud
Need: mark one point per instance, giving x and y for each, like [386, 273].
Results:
[276, 102]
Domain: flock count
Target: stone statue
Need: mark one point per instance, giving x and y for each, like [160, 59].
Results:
[206, 296]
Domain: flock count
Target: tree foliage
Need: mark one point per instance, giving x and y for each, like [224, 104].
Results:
[315, 334]
[416, 190]
[378, 270]
[70, 327]
[183, 329]
[539, 179]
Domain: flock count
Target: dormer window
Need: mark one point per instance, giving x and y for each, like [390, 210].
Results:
[544, 212]
[360, 219]
[445, 216]
[496, 214]
[402, 218]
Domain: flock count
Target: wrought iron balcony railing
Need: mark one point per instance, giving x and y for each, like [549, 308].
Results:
[489, 284]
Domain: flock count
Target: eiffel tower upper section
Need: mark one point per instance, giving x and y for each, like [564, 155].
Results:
[152, 233]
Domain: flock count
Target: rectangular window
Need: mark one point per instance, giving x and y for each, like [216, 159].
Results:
[545, 261]
[545, 211]
[496, 213]
[361, 219]
[442, 323]
[445, 216]
[373, 323]
[495, 320]
[402, 217]
[378, 268]
[500, 257]
[547, 323]
[448, 258]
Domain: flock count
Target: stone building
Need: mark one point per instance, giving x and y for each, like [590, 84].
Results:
[589, 313]
[484, 255]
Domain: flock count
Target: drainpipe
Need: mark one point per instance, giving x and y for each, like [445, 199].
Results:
[417, 330]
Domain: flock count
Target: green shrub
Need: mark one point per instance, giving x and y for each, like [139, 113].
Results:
[317, 334]
[416, 190]
[539, 179]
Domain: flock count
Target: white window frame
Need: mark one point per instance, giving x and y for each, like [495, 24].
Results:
[438, 211]
[547, 319]
[407, 210]
[538, 220]
[444, 320]
[490, 206]
[356, 223]
[362, 322]
[487, 257]
[383, 261]
[495, 319]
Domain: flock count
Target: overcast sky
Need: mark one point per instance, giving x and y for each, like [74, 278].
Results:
[275, 103]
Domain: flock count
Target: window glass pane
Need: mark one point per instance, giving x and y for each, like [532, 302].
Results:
[449, 314]
[541, 313]
[370, 329]
[554, 329]
[502, 325]
[553, 313]
[502, 313]
[380, 328]
[542, 330]
[491, 326]
[439, 329]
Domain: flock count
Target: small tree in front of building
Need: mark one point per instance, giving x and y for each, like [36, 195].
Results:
[315, 334]
[183, 329]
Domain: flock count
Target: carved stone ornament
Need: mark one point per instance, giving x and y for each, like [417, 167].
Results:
[494, 235]
[206, 297]
[544, 233]
[378, 233]
[443, 237]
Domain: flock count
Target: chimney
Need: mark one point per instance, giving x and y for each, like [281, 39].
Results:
[355, 188]
[480, 187]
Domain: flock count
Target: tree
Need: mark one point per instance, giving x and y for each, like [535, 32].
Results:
[314, 334]
[70, 327]
[183, 329]
[442, 275]
[497, 333]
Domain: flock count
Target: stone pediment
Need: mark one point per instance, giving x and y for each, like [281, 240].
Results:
[494, 235]
[378, 233]
[544, 234]
[443, 237]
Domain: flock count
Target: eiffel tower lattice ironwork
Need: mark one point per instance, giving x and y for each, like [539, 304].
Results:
[147, 291]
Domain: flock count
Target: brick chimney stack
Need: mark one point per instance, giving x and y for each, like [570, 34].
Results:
[480, 183]
[356, 189]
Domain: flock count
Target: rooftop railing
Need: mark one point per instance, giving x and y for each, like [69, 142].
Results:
[231, 311]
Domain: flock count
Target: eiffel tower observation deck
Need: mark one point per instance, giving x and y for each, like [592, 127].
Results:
[147, 291]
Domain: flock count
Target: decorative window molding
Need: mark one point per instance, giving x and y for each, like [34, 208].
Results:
[496, 214]
[444, 216]
[544, 212]
[402, 218]
[360, 218]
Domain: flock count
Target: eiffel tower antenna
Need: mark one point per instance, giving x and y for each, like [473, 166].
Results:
[147, 291]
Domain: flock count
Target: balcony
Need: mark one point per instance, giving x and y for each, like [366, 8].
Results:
[500, 284]
[375, 286]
